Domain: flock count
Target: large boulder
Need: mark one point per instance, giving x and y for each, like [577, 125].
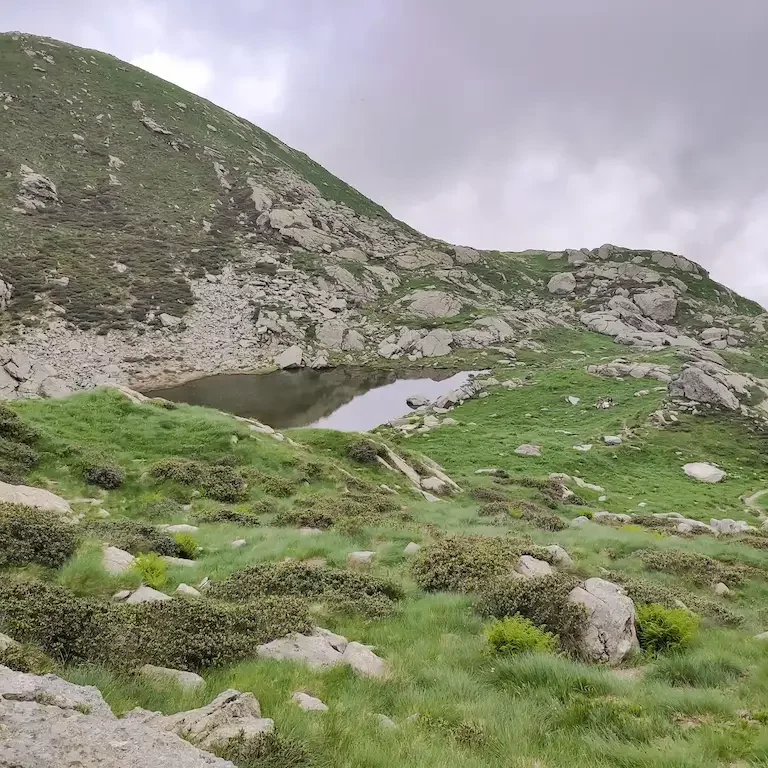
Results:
[116, 561]
[437, 343]
[703, 472]
[315, 651]
[365, 662]
[659, 304]
[330, 334]
[434, 304]
[47, 722]
[695, 384]
[33, 497]
[36, 192]
[292, 357]
[562, 284]
[609, 635]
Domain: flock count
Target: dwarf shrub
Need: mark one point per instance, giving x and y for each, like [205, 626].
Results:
[661, 629]
[160, 509]
[699, 568]
[102, 471]
[494, 508]
[134, 537]
[543, 600]
[320, 511]
[363, 451]
[541, 518]
[31, 535]
[218, 481]
[515, 634]
[274, 485]
[468, 563]
[227, 516]
[488, 494]
[27, 658]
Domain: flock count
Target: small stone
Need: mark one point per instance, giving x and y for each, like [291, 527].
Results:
[238, 543]
[573, 400]
[721, 590]
[577, 522]
[362, 559]
[122, 595]
[145, 594]
[189, 681]
[416, 401]
[612, 440]
[310, 531]
[412, 548]
[704, 473]
[7, 642]
[583, 448]
[762, 636]
[528, 450]
[180, 528]
[387, 723]
[308, 703]
[185, 589]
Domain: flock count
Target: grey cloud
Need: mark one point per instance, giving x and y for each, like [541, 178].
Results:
[503, 123]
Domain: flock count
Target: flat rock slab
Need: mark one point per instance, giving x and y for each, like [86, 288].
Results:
[146, 594]
[308, 703]
[187, 680]
[33, 497]
[315, 651]
[704, 473]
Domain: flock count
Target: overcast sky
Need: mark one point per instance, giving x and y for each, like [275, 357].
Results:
[507, 124]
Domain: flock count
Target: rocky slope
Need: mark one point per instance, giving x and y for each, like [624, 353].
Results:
[151, 236]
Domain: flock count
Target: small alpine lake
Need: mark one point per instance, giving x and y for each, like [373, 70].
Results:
[346, 398]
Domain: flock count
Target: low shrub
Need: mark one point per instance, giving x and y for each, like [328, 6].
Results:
[488, 494]
[31, 535]
[27, 658]
[134, 537]
[320, 511]
[699, 568]
[515, 634]
[153, 570]
[543, 601]
[468, 563]
[160, 509]
[227, 516]
[102, 471]
[17, 452]
[661, 629]
[342, 589]
[494, 508]
[274, 485]
[217, 481]
[363, 451]
[263, 507]
[645, 591]
[541, 518]
[182, 634]
[267, 750]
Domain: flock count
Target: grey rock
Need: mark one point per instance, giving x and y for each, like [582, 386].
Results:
[145, 594]
[7, 642]
[659, 304]
[528, 450]
[308, 703]
[562, 284]
[339, 642]
[612, 440]
[385, 722]
[529, 567]
[117, 561]
[437, 343]
[29, 496]
[362, 559]
[169, 321]
[703, 472]
[577, 522]
[434, 304]
[293, 357]
[49, 723]
[189, 681]
[610, 635]
[179, 562]
[315, 651]
[180, 528]
[186, 590]
[416, 401]
[694, 384]
[560, 556]
[721, 590]
[238, 543]
[365, 662]
[435, 485]
[412, 548]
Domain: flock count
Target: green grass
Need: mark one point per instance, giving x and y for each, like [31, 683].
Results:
[681, 709]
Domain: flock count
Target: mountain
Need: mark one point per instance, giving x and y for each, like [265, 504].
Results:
[150, 235]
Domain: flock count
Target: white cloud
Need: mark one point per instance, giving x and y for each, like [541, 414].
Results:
[261, 91]
[192, 74]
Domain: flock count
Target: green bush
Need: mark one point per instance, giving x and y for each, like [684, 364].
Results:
[183, 634]
[515, 634]
[488, 494]
[27, 658]
[274, 485]
[218, 481]
[321, 511]
[363, 451]
[341, 589]
[267, 750]
[227, 516]
[645, 591]
[494, 508]
[186, 545]
[468, 563]
[17, 454]
[102, 471]
[160, 509]
[541, 518]
[14, 429]
[543, 600]
[699, 568]
[153, 570]
[661, 629]
[134, 537]
[31, 535]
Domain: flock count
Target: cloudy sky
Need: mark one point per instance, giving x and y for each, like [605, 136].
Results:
[504, 124]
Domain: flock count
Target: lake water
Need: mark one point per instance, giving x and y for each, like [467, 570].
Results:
[343, 398]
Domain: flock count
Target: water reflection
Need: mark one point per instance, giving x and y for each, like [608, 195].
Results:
[344, 398]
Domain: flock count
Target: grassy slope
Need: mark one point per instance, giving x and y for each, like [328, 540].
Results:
[476, 710]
